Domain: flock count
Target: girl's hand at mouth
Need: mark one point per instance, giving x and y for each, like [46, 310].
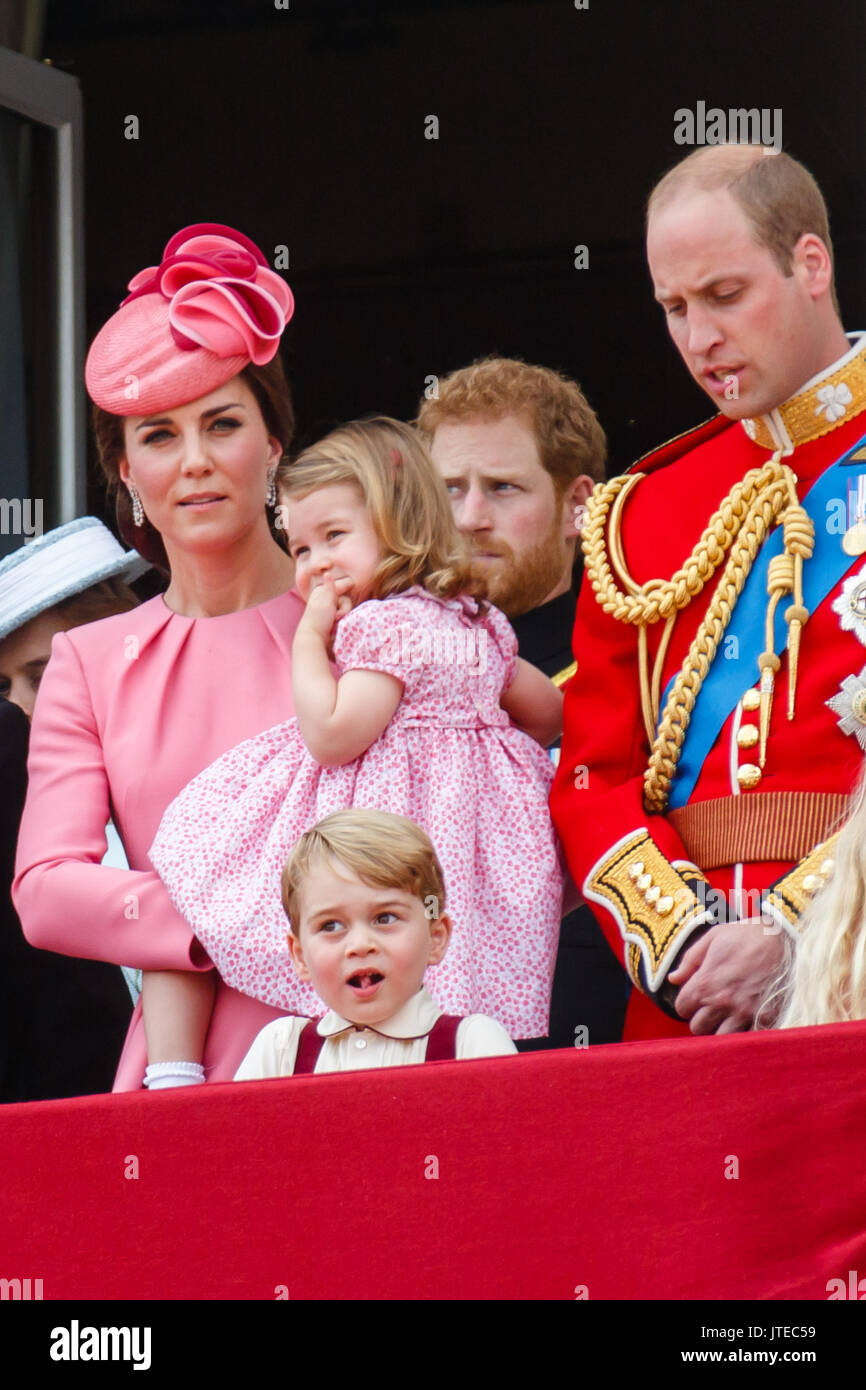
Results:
[328, 602]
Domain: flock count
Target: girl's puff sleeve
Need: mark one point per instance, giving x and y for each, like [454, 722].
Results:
[67, 900]
[378, 635]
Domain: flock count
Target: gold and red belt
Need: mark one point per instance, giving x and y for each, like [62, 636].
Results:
[773, 826]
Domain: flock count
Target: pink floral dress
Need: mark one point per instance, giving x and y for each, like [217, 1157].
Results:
[450, 759]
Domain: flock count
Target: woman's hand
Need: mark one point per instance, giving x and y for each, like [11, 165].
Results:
[328, 602]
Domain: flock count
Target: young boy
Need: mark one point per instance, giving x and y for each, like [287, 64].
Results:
[364, 895]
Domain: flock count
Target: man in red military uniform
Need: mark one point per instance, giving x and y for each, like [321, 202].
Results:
[724, 605]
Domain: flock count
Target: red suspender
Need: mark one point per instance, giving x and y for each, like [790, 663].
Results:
[441, 1043]
[309, 1047]
[442, 1039]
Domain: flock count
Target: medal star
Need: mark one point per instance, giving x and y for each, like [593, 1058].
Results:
[850, 705]
[851, 606]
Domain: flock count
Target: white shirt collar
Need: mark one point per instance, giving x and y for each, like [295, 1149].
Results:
[414, 1019]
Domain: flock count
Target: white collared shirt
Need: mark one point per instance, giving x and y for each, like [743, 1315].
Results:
[400, 1040]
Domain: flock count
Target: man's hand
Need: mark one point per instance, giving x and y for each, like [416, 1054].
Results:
[723, 977]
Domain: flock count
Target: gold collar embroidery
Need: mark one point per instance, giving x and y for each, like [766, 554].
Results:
[822, 405]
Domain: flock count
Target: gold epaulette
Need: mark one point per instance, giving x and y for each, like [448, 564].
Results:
[653, 905]
[790, 897]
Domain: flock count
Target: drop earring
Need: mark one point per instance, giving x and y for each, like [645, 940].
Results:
[137, 508]
[271, 494]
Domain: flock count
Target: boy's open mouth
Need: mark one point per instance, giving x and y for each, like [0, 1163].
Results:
[365, 980]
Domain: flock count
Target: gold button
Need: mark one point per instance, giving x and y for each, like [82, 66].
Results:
[644, 882]
[636, 869]
[664, 905]
[751, 700]
[747, 736]
[826, 868]
[748, 776]
[811, 884]
[653, 894]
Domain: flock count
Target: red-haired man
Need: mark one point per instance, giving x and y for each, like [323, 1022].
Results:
[520, 448]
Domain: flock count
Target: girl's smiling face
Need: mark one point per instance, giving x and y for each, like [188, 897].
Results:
[331, 536]
[201, 469]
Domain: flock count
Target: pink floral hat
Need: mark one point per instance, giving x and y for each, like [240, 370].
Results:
[209, 309]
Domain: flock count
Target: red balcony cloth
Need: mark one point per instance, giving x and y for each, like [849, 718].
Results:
[610, 1169]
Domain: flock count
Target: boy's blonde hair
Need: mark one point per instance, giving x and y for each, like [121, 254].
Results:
[381, 849]
[406, 499]
[827, 980]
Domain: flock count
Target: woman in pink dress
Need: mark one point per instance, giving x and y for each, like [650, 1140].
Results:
[418, 723]
[192, 417]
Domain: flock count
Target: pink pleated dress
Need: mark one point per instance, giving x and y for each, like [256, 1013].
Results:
[450, 759]
[130, 709]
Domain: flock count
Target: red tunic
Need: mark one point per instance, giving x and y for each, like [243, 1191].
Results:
[604, 733]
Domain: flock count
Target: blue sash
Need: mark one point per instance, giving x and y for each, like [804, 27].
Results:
[731, 675]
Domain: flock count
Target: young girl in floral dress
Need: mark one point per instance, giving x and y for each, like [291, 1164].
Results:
[409, 698]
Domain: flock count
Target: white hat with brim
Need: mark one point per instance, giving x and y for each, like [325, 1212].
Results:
[61, 563]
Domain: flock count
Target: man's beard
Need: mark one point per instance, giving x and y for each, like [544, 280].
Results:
[517, 586]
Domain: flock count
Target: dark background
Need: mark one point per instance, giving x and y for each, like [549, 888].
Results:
[305, 127]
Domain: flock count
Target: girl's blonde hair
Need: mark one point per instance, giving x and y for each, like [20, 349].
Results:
[405, 497]
[381, 849]
[826, 983]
